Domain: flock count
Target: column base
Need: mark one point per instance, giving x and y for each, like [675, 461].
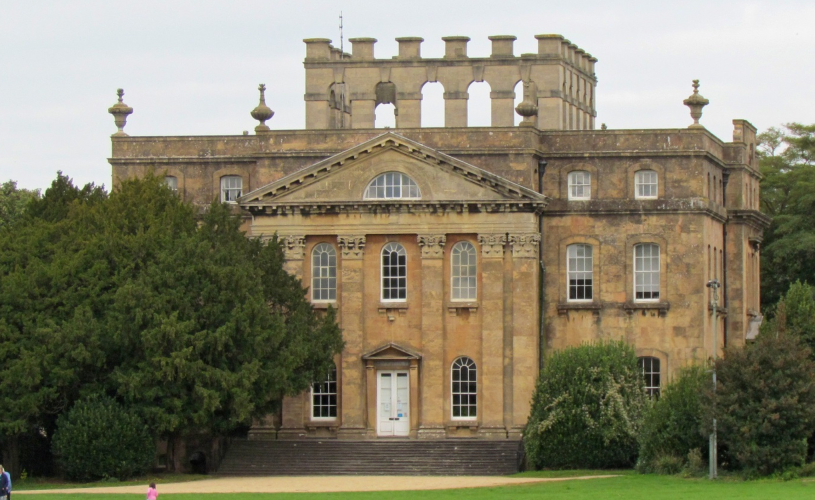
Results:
[431, 433]
[515, 433]
[352, 433]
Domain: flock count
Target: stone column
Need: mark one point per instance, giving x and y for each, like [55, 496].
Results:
[432, 379]
[455, 109]
[295, 408]
[353, 372]
[491, 371]
[525, 342]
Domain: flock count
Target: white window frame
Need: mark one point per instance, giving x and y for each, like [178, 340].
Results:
[640, 183]
[579, 180]
[392, 186]
[325, 389]
[654, 275]
[231, 188]
[472, 395]
[651, 377]
[463, 275]
[171, 182]
[401, 269]
[574, 261]
[323, 273]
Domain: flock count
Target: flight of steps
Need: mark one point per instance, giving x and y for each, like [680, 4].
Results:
[448, 457]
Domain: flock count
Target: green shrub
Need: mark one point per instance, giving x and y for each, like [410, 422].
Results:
[764, 404]
[695, 465]
[668, 464]
[587, 409]
[99, 439]
[673, 424]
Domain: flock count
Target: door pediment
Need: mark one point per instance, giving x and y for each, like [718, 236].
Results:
[391, 352]
[342, 179]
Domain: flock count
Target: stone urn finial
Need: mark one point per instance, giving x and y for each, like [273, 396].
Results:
[527, 108]
[120, 110]
[262, 112]
[696, 102]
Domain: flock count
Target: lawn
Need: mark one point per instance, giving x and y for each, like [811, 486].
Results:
[626, 487]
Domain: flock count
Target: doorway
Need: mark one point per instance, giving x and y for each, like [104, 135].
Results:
[393, 403]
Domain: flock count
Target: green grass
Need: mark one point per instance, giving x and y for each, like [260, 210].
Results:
[626, 487]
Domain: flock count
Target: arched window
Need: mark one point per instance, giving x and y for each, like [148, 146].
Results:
[464, 273]
[645, 185]
[324, 396]
[323, 273]
[464, 389]
[231, 187]
[650, 373]
[392, 186]
[580, 269]
[394, 272]
[579, 185]
[646, 271]
[171, 182]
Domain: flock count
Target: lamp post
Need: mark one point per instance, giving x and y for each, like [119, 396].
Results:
[713, 446]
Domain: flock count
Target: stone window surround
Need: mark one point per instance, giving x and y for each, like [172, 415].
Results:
[563, 181]
[223, 172]
[563, 273]
[311, 273]
[570, 177]
[664, 264]
[662, 356]
[178, 174]
[631, 172]
[336, 394]
[477, 390]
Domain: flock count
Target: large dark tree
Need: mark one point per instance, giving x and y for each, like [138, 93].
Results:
[181, 318]
[13, 202]
[787, 160]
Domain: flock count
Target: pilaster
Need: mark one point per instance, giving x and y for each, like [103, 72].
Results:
[491, 371]
[432, 377]
[294, 251]
[352, 248]
[525, 341]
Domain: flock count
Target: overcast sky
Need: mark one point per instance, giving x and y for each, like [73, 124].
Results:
[192, 67]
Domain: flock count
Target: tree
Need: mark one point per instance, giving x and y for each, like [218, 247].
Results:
[788, 195]
[764, 404]
[587, 408]
[13, 202]
[182, 319]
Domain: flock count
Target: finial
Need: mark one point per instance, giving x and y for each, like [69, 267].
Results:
[262, 112]
[603, 126]
[527, 108]
[696, 102]
[120, 110]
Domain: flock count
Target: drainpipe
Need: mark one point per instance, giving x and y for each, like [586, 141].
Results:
[542, 278]
[725, 305]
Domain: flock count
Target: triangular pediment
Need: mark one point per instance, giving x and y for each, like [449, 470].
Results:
[391, 351]
[342, 178]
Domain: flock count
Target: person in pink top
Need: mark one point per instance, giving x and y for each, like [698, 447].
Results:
[152, 494]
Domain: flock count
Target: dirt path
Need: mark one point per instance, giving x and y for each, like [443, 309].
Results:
[319, 484]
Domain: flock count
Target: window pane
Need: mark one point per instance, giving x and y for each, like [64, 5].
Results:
[464, 394]
[392, 185]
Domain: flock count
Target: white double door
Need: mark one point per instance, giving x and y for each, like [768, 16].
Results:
[393, 404]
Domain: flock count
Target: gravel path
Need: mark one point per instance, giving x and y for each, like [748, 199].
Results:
[319, 484]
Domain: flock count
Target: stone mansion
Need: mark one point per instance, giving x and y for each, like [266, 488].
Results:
[459, 257]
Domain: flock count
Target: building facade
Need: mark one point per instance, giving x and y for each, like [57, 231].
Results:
[458, 257]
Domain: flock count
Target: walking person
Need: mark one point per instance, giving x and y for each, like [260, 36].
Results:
[5, 484]
[152, 493]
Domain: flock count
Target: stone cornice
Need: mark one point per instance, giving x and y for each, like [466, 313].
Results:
[492, 244]
[752, 218]
[699, 206]
[352, 247]
[432, 245]
[393, 207]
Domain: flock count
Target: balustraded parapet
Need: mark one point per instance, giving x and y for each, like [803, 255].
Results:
[343, 90]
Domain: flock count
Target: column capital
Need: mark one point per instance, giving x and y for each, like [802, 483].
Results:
[352, 246]
[492, 244]
[294, 246]
[525, 244]
[432, 245]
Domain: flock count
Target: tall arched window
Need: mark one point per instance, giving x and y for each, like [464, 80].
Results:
[580, 272]
[464, 389]
[579, 185]
[324, 396]
[464, 272]
[646, 184]
[392, 186]
[323, 273]
[231, 187]
[394, 272]
[650, 373]
[646, 271]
